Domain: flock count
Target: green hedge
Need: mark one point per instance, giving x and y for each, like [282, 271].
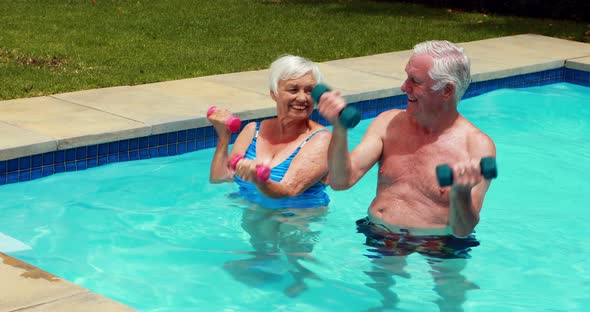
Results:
[577, 10]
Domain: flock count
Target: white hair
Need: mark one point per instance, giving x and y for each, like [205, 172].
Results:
[450, 65]
[291, 67]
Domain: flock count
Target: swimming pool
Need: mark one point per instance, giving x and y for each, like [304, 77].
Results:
[155, 235]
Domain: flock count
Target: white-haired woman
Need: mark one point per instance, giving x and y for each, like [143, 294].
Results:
[291, 144]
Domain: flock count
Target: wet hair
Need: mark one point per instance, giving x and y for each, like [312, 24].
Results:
[450, 65]
[291, 67]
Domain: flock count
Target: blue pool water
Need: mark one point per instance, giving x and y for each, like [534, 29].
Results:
[155, 235]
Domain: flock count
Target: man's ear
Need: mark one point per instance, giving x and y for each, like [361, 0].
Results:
[449, 90]
[273, 96]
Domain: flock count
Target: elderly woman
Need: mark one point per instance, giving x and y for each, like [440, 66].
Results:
[291, 144]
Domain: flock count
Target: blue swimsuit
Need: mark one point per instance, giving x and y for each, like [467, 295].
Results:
[315, 196]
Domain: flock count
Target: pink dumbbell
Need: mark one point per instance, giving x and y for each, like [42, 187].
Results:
[262, 172]
[232, 124]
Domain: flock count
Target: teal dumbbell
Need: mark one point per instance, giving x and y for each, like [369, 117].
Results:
[349, 116]
[444, 173]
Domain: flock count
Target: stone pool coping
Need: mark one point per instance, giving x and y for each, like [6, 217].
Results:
[39, 125]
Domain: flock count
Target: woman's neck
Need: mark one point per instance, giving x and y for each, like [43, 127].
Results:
[289, 130]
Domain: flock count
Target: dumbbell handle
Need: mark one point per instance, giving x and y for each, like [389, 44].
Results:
[262, 172]
[233, 123]
[349, 117]
[444, 173]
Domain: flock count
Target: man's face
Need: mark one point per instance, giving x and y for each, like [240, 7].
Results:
[418, 86]
[293, 96]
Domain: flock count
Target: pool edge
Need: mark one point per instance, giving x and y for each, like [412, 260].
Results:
[26, 287]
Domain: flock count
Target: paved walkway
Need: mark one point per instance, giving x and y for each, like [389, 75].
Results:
[37, 125]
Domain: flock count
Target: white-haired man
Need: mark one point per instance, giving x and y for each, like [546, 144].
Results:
[408, 145]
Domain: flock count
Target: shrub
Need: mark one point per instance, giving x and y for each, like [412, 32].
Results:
[577, 10]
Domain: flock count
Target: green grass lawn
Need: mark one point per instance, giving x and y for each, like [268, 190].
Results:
[55, 46]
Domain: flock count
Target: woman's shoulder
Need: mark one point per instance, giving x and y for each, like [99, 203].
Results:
[248, 132]
[316, 127]
[320, 135]
[250, 127]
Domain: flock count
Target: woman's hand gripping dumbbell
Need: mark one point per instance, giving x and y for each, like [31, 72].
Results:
[231, 122]
[262, 171]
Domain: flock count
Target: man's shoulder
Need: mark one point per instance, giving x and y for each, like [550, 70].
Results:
[478, 140]
[384, 120]
[389, 114]
[473, 131]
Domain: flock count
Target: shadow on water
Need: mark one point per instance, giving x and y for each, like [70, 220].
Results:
[282, 241]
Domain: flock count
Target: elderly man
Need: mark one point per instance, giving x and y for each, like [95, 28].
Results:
[411, 212]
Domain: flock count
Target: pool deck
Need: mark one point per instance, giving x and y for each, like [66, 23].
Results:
[43, 124]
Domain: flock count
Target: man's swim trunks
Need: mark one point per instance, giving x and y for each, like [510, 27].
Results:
[395, 244]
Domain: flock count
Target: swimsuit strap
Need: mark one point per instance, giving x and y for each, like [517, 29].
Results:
[300, 145]
[257, 129]
[311, 136]
[251, 151]
[303, 143]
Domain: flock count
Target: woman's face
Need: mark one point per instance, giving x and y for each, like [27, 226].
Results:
[293, 97]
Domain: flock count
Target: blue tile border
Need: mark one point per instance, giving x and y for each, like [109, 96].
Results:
[179, 142]
[520, 81]
[578, 77]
